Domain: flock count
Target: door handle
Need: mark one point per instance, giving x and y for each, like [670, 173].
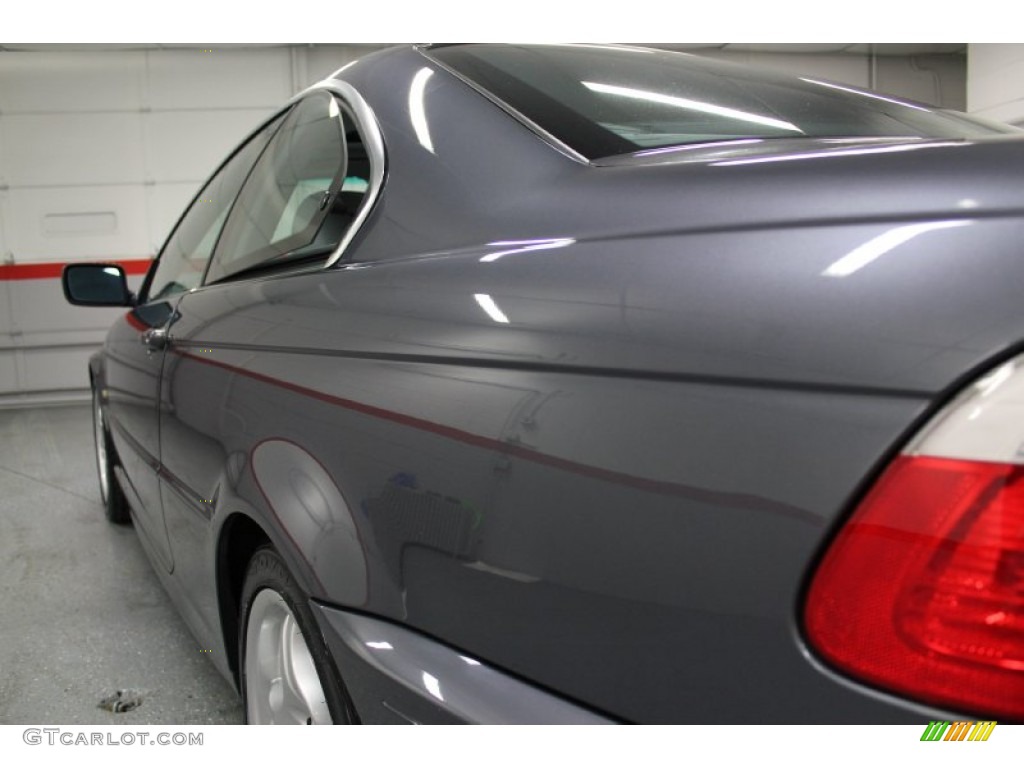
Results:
[156, 339]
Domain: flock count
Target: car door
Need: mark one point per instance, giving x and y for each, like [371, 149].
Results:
[132, 368]
[293, 211]
[137, 345]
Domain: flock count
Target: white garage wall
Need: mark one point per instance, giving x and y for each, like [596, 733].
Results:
[995, 81]
[938, 79]
[101, 149]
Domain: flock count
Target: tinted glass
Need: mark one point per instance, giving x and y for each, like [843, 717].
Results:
[185, 255]
[300, 198]
[611, 101]
[96, 284]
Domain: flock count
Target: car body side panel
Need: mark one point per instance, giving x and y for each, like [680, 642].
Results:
[478, 497]
[398, 676]
[130, 390]
[591, 426]
[730, 266]
[712, 307]
[192, 472]
[483, 176]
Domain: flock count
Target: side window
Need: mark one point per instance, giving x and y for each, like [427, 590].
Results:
[303, 193]
[185, 255]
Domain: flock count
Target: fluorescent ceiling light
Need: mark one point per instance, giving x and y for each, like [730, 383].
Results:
[417, 109]
[864, 254]
[487, 304]
[865, 94]
[814, 154]
[697, 106]
[522, 246]
[433, 686]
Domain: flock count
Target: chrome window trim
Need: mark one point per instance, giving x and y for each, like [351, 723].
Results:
[373, 140]
[548, 137]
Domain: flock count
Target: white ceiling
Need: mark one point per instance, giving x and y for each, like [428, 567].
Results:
[881, 49]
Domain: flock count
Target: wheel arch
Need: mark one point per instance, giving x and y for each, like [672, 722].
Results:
[240, 536]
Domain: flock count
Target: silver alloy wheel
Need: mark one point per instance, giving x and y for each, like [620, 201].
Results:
[282, 685]
[100, 434]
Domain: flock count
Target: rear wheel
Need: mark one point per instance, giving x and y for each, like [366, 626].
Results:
[287, 675]
[114, 502]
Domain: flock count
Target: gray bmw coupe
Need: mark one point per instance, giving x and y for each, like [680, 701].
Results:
[583, 384]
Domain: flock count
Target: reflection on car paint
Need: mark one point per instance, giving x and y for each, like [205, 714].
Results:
[313, 513]
[403, 516]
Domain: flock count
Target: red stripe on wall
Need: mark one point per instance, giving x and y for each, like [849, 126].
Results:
[52, 269]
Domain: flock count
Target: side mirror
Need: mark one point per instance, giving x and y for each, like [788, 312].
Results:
[96, 285]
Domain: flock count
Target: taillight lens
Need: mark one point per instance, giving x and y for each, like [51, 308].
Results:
[922, 592]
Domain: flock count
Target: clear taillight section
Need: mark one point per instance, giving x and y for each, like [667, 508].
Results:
[922, 591]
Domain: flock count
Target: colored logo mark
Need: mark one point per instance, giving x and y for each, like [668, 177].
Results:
[941, 730]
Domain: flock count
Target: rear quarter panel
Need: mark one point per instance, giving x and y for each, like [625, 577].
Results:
[619, 492]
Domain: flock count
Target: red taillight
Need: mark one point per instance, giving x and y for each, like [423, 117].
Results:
[922, 592]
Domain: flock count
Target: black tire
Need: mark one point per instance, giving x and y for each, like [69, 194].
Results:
[268, 581]
[115, 505]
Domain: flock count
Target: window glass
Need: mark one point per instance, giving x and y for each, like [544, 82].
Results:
[302, 194]
[622, 100]
[185, 255]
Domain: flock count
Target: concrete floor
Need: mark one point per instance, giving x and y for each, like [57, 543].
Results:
[82, 614]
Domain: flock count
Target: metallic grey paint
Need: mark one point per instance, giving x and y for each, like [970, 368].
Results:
[391, 671]
[590, 425]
